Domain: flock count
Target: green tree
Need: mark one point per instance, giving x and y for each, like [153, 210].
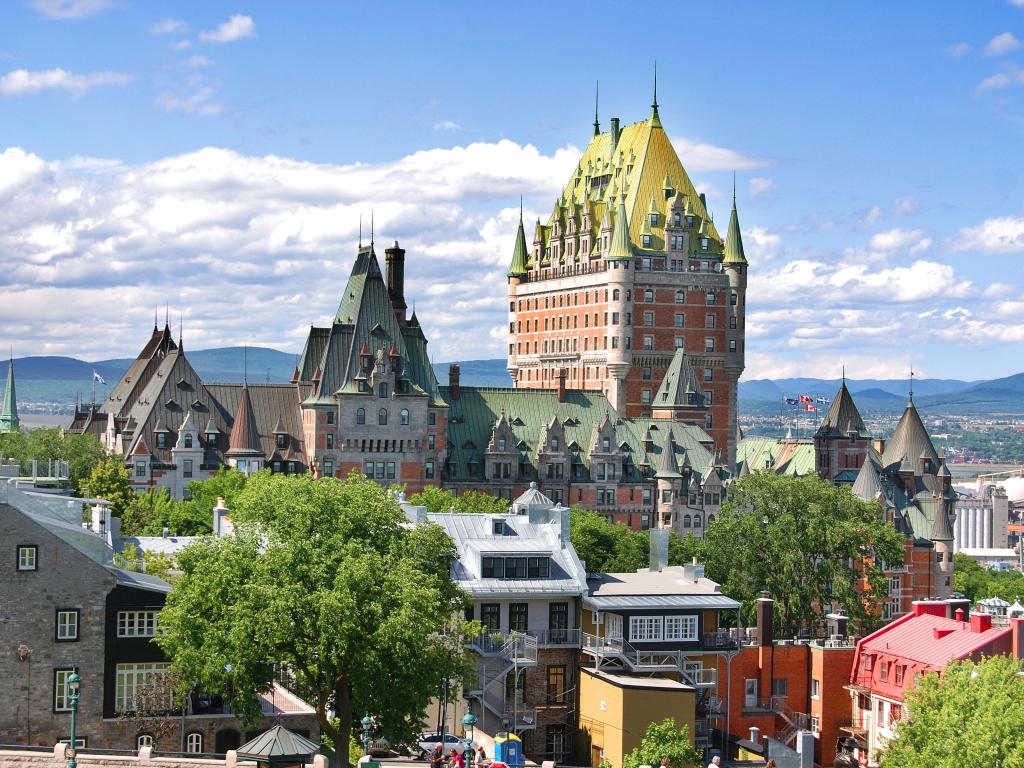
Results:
[805, 541]
[605, 546]
[978, 583]
[111, 480]
[972, 715]
[434, 499]
[664, 739]
[442, 500]
[82, 452]
[325, 578]
[226, 484]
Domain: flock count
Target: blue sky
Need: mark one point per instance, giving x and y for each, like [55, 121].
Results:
[217, 156]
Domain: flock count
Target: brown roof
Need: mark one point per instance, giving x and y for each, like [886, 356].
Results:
[245, 434]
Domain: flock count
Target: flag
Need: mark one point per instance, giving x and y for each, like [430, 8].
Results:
[97, 377]
[792, 401]
[806, 399]
[810, 408]
[823, 400]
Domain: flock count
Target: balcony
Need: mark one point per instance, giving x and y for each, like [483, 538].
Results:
[559, 638]
[514, 647]
[637, 660]
[723, 639]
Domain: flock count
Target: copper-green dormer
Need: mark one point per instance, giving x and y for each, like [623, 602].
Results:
[620, 248]
[9, 413]
[520, 254]
[733, 240]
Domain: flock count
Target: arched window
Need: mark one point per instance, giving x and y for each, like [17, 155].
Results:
[615, 294]
[360, 416]
[382, 389]
[382, 416]
[403, 417]
[194, 743]
[188, 440]
[143, 740]
[686, 521]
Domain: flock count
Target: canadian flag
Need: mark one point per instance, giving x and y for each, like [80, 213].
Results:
[810, 407]
[806, 399]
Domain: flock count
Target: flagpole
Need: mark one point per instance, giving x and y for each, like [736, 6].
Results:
[94, 390]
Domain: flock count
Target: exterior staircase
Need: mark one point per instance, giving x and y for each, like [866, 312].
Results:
[636, 660]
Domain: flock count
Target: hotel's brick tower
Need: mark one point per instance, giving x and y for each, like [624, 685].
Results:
[628, 268]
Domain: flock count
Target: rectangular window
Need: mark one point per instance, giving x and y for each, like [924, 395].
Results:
[161, 439]
[67, 625]
[428, 470]
[647, 374]
[709, 397]
[710, 297]
[683, 628]
[328, 469]
[330, 417]
[539, 567]
[490, 616]
[732, 345]
[432, 419]
[709, 320]
[330, 441]
[391, 470]
[648, 295]
[187, 467]
[883, 672]
[61, 694]
[515, 567]
[493, 568]
[28, 557]
[136, 623]
[556, 684]
[645, 396]
[708, 373]
[645, 628]
[648, 318]
[680, 320]
[518, 617]
[899, 674]
[709, 344]
[815, 688]
[140, 469]
[558, 616]
[815, 725]
[129, 678]
[780, 686]
[750, 693]
[648, 342]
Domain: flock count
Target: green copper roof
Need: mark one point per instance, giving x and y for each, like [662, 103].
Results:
[9, 413]
[620, 248]
[733, 240]
[520, 254]
[680, 387]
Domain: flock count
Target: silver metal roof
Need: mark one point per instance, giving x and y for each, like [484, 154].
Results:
[647, 602]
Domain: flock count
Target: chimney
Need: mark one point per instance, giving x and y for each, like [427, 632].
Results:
[615, 132]
[980, 622]
[453, 382]
[879, 445]
[959, 614]
[838, 623]
[929, 608]
[395, 258]
[221, 522]
[755, 734]
[659, 549]
[166, 532]
[562, 375]
[959, 608]
[1017, 633]
[765, 635]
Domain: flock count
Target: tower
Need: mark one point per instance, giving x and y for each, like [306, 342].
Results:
[9, 413]
[628, 268]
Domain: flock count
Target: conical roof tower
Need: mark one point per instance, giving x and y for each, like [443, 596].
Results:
[733, 240]
[9, 413]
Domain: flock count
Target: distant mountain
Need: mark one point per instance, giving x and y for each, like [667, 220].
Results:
[476, 373]
[757, 389]
[998, 396]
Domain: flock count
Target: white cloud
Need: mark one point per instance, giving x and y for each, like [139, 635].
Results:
[699, 156]
[759, 187]
[912, 241]
[203, 101]
[19, 82]
[1000, 235]
[765, 244]
[447, 125]
[168, 27]
[1012, 76]
[235, 28]
[197, 61]
[958, 50]
[70, 9]
[1002, 44]
[905, 205]
[180, 45]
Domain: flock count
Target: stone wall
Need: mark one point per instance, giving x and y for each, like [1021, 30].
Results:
[55, 759]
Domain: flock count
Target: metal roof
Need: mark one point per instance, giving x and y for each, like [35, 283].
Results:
[646, 602]
[931, 640]
[278, 745]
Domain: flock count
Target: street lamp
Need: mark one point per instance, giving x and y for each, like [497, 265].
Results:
[468, 721]
[74, 690]
[367, 723]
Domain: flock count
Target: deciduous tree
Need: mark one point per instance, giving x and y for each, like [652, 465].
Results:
[111, 480]
[442, 500]
[661, 740]
[972, 715]
[324, 577]
[805, 541]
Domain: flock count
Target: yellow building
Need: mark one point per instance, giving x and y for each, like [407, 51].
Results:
[615, 711]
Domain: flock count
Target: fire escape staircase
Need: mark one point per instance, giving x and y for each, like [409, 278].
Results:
[618, 650]
[498, 655]
[793, 721]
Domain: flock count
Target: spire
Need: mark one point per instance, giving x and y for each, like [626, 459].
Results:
[360, 231]
[911, 385]
[620, 248]
[597, 124]
[371, 228]
[733, 240]
[9, 413]
[655, 118]
[519, 253]
[245, 435]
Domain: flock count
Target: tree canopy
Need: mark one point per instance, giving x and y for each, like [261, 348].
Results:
[972, 715]
[978, 583]
[808, 543]
[613, 547]
[147, 514]
[325, 578]
[443, 500]
[82, 452]
[111, 480]
[661, 740]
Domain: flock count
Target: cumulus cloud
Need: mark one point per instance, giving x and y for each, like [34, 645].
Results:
[958, 50]
[759, 187]
[235, 28]
[700, 156]
[1002, 44]
[168, 27]
[70, 9]
[911, 241]
[19, 82]
[999, 235]
[1012, 76]
[447, 125]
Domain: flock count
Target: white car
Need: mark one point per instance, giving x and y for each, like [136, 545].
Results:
[428, 741]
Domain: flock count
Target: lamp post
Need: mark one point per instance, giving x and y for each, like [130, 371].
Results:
[468, 721]
[74, 690]
[367, 723]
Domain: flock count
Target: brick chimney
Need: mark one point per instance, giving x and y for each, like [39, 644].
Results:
[1017, 633]
[395, 258]
[765, 617]
[562, 376]
[980, 622]
[453, 382]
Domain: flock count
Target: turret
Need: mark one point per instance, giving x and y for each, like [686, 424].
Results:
[518, 270]
[734, 264]
[9, 412]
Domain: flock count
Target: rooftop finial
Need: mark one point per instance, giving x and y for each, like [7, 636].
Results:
[245, 364]
[844, 375]
[734, 189]
[655, 118]
[911, 385]
[156, 311]
[597, 124]
[167, 315]
[360, 231]
[520, 209]
[371, 227]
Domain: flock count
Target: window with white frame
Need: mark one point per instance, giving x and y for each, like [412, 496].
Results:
[67, 624]
[815, 688]
[27, 557]
[815, 725]
[61, 694]
[136, 623]
[129, 678]
[680, 627]
[194, 743]
[645, 628]
[144, 740]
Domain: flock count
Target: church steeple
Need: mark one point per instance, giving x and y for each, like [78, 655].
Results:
[9, 413]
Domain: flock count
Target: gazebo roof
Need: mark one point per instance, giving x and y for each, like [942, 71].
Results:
[278, 745]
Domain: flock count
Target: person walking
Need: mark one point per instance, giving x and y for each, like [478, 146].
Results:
[456, 759]
[478, 757]
[716, 761]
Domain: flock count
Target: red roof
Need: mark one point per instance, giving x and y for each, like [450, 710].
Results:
[931, 640]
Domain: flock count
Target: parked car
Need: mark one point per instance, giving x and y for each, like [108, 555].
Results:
[451, 741]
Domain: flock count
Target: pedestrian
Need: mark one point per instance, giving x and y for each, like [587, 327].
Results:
[666, 763]
[456, 759]
[478, 757]
[437, 760]
[770, 764]
[716, 761]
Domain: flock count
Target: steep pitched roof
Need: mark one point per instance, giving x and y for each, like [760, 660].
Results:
[680, 387]
[909, 442]
[868, 484]
[9, 412]
[619, 247]
[733, 239]
[520, 254]
[245, 433]
[843, 419]
[667, 466]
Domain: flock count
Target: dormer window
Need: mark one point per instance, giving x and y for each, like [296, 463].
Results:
[606, 445]
[161, 439]
[647, 241]
[677, 219]
[187, 440]
[703, 243]
[501, 443]
[498, 527]
[654, 219]
[382, 390]
[554, 443]
[282, 440]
